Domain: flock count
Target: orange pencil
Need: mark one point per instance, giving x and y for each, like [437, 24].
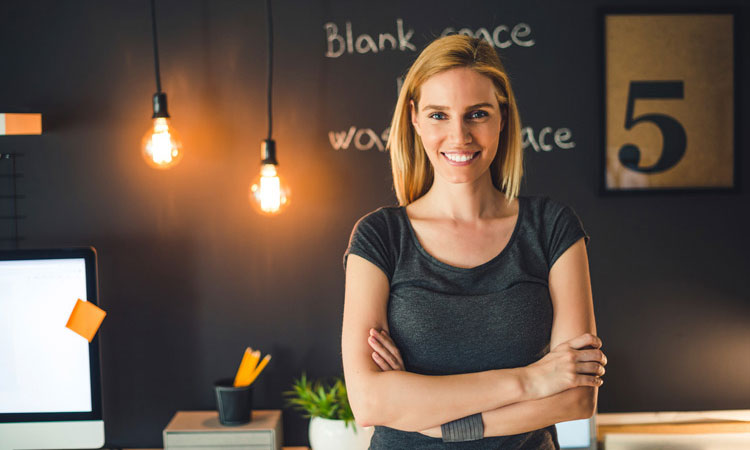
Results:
[260, 368]
[247, 367]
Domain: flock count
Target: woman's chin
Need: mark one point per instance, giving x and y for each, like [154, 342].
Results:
[462, 175]
[460, 178]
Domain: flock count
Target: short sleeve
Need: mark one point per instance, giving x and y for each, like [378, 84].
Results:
[369, 239]
[564, 229]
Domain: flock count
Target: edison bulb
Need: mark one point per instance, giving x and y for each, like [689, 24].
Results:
[161, 146]
[268, 193]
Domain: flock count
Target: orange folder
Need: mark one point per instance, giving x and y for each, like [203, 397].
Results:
[85, 319]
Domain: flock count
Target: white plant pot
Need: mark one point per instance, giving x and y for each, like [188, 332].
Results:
[327, 434]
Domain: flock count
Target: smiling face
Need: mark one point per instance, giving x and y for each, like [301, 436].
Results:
[458, 120]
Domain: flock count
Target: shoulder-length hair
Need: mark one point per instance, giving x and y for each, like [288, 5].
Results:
[412, 172]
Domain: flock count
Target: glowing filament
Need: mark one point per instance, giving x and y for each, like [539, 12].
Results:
[162, 147]
[268, 192]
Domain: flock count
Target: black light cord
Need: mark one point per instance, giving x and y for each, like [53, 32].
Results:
[156, 47]
[270, 65]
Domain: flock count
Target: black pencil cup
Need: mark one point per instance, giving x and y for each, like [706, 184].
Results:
[235, 404]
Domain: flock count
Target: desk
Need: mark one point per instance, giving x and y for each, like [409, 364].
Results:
[682, 423]
[658, 428]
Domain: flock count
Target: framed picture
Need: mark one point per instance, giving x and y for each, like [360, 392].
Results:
[669, 108]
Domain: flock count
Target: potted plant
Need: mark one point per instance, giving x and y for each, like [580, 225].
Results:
[332, 425]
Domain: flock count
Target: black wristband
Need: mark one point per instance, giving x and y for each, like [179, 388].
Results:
[469, 428]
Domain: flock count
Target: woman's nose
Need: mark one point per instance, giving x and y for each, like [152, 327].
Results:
[460, 133]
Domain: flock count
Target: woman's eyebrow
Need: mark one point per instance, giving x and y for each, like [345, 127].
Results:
[443, 108]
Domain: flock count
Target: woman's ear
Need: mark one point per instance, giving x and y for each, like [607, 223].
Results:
[413, 111]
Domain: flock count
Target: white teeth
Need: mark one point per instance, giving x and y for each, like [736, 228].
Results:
[457, 157]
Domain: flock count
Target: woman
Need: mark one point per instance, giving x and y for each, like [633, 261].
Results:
[468, 313]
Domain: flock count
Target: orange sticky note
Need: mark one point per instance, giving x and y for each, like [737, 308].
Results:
[247, 367]
[85, 319]
[23, 123]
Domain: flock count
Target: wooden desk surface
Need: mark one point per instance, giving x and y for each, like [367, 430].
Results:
[687, 427]
[674, 428]
[658, 428]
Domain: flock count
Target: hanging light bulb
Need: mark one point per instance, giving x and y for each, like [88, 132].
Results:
[161, 146]
[269, 194]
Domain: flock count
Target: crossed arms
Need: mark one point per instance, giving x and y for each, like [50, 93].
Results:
[561, 386]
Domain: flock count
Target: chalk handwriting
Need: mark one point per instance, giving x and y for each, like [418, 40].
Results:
[502, 36]
[546, 140]
[363, 139]
[561, 138]
[337, 45]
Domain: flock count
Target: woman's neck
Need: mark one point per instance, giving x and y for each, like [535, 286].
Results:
[465, 202]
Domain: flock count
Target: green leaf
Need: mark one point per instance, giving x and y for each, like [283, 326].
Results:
[320, 399]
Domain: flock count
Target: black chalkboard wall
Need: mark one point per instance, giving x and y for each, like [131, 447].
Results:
[190, 275]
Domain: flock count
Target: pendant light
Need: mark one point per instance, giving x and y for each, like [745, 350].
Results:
[269, 195]
[161, 145]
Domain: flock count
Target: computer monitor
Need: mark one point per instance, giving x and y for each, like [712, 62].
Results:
[50, 384]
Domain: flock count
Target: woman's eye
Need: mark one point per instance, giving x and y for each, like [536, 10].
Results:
[437, 115]
[478, 114]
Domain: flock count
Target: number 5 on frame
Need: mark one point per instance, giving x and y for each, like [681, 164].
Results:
[669, 102]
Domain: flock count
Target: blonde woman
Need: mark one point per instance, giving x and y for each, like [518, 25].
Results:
[468, 309]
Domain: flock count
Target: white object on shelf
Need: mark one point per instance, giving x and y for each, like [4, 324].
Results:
[327, 434]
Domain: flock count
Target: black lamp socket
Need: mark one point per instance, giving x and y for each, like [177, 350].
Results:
[268, 152]
[160, 105]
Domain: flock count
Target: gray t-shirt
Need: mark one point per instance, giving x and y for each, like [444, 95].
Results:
[448, 320]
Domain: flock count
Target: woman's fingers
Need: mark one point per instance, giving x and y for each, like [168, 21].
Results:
[593, 355]
[380, 350]
[385, 354]
[381, 362]
[590, 368]
[394, 355]
[386, 340]
[588, 380]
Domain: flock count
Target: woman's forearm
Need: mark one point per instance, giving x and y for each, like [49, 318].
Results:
[525, 416]
[412, 402]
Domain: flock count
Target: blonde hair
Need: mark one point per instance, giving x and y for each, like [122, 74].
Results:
[412, 172]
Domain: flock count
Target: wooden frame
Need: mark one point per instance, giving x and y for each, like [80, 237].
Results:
[682, 66]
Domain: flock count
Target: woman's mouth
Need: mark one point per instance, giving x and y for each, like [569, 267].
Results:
[460, 158]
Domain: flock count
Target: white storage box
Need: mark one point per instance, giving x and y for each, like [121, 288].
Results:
[201, 430]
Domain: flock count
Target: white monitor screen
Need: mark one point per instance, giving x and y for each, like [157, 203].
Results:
[44, 366]
[575, 434]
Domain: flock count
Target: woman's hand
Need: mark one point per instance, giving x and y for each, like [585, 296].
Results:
[386, 354]
[577, 362]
